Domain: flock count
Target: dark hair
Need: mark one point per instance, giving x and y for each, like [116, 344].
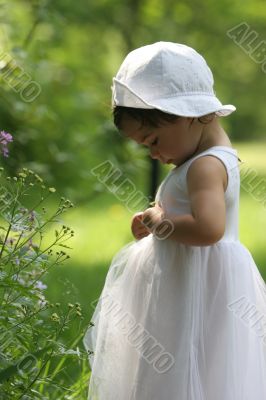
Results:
[151, 116]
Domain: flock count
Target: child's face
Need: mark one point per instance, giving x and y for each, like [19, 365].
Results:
[171, 142]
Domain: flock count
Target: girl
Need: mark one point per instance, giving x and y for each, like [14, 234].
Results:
[182, 312]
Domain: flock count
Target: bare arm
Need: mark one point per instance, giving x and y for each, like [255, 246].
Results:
[206, 180]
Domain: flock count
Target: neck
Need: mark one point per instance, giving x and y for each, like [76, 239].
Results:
[212, 134]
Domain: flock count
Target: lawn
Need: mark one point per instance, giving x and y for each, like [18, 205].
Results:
[102, 227]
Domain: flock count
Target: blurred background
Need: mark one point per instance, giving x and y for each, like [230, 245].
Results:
[56, 101]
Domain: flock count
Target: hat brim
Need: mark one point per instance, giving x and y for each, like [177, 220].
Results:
[189, 105]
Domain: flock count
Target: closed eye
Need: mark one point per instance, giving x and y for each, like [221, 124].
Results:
[154, 142]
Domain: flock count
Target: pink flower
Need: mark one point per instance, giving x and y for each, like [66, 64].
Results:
[5, 138]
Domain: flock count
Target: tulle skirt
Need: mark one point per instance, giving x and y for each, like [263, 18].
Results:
[178, 322]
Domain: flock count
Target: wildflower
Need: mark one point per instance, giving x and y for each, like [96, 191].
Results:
[31, 216]
[38, 178]
[5, 138]
[42, 301]
[39, 285]
[55, 317]
[16, 277]
[32, 245]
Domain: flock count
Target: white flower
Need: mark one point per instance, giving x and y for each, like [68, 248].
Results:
[40, 285]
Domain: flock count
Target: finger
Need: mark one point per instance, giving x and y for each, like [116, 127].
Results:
[142, 232]
[138, 215]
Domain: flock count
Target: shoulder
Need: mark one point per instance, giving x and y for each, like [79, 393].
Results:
[207, 171]
[205, 185]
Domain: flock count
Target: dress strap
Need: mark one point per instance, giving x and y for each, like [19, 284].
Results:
[227, 149]
[223, 153]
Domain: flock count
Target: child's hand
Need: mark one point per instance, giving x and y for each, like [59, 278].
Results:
[152, 217]
[138, 230]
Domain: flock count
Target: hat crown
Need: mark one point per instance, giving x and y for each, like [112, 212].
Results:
[170, 77]
[165, 69]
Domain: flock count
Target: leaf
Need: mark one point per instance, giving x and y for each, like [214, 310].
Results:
[13, 369]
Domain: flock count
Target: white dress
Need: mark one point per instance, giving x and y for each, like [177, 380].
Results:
[179, 322]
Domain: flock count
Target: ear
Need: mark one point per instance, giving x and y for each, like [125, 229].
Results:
[205, 119]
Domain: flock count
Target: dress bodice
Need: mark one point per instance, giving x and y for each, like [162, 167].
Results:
[172, 194]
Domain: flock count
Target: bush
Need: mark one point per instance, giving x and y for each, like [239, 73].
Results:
[33, 350]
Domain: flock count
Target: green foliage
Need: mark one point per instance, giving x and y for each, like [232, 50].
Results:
[34, 354]
[72, 52]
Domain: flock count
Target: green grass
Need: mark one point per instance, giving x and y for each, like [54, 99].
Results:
[253, 154]
[102, 228]
[99, 233]
[252, 215]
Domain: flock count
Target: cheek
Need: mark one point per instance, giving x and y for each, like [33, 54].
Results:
[169, 149]
[175, 147]
[183, 138]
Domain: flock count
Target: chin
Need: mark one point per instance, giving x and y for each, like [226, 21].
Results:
[169, 161]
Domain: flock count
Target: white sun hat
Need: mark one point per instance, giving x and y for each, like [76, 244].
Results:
[170, 77]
